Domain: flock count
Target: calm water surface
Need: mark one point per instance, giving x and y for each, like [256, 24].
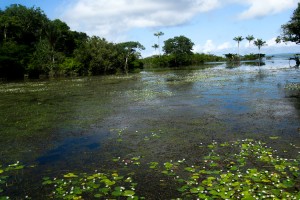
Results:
[80, 124]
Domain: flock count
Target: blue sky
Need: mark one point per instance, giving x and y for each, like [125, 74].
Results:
[210, 24]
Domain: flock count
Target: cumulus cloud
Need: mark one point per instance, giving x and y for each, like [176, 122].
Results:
[262, 8]
[210, 47]
[110, 18]
[113, 18]
[272, 43]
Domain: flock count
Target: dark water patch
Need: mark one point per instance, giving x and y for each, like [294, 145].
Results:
[71, 148]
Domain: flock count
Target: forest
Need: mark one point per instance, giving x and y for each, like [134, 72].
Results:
[33, 45]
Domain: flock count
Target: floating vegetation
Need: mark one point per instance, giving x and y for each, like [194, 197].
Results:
[7, 175]
[147, 94]
[146, 136]
[128, 161]
[244, 169]
[250, 170]
[292, 86]
[94, 185]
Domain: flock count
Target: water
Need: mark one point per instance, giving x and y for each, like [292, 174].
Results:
[81, 124]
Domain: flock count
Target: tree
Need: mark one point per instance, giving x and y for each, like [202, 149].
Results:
[250, 38]
[23, 24]
[158, 34]
[155, 46]
[259, 43]
[238, 39]
[130, 49]
[291, 30]
[20, 28]
[180, 47]
[97, 56]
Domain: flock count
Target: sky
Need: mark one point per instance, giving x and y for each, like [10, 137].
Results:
[210, 24]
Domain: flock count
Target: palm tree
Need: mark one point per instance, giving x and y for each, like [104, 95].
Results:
[259, 43]
[238, 39]
[250, 38]
[158, 34]
[155, 46]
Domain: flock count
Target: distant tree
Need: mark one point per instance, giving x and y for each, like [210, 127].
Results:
[181, 48]
[291, 30]
[231, 57]
[250, 38]
[238, 39]
[129, 49]
[97, 56]
[158, 34]
[259, 43]
[155, 46]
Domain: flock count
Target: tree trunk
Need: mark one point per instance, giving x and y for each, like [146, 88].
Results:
[5, 32]
[126, 64]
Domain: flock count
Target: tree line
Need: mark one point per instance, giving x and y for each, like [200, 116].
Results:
[32, 44]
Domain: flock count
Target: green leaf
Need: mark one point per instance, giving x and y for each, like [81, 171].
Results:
[98, 195]
[190, 169]
[153, 165]
[70, 175]
[117, 193]
[196, 190]
[108, 182]
[47, 182]
[128, 193]
[105, 191]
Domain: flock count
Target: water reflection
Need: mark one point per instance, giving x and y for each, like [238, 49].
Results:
[233, 65]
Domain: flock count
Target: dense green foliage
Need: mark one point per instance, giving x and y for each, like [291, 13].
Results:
[235, 58]
[180, 49]
[169, 61]
[32, 44]
[291, 30]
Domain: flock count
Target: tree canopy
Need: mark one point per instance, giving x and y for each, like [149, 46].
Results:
[32, 44]
[178, 45]
[291, 30]
[180, 48]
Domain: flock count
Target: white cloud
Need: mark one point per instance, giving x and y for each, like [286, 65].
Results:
[262, 8]
[271, 47]
[108, 18]
[224, 46]
[272, 43]
[211, 47]
[112, 19]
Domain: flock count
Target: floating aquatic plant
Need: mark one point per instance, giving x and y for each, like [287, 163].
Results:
[292, 86]
[6, 174]
[250, 171]
[95, 185]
